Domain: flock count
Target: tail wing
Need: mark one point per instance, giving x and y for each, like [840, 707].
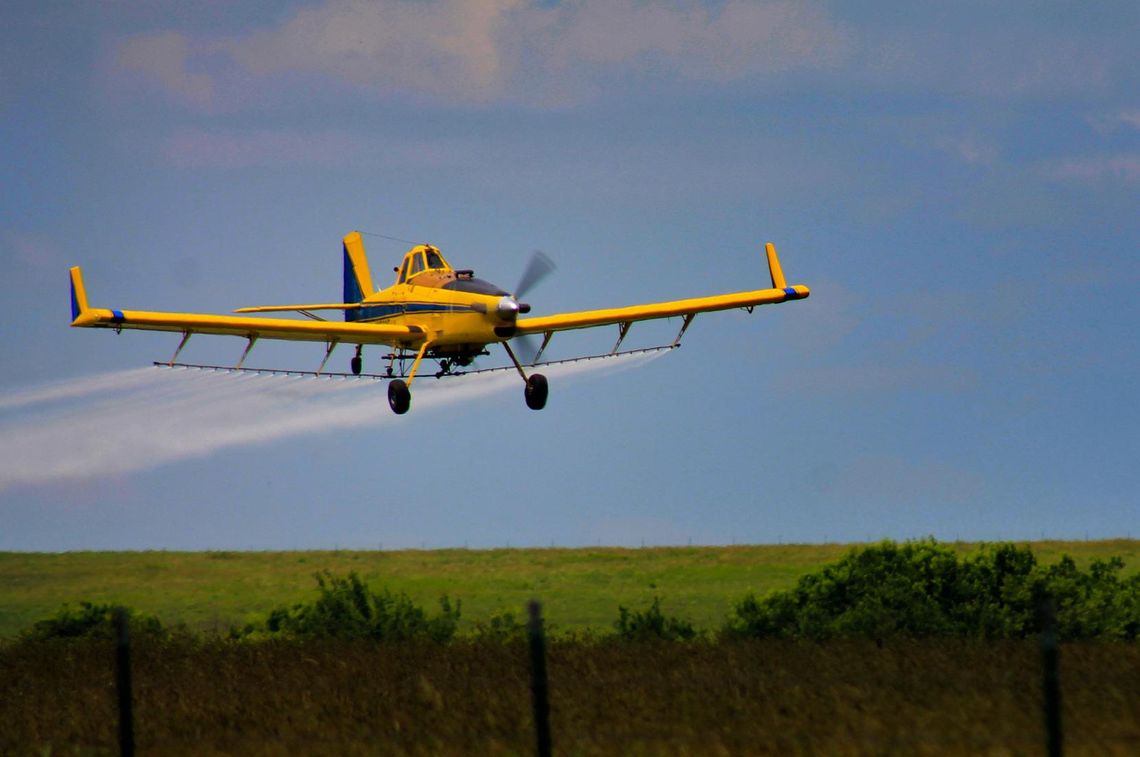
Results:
[357, 278]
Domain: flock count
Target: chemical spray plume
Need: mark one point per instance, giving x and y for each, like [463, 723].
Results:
[117, 423]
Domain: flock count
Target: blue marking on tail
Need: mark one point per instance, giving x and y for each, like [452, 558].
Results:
[74, 302]
[352, 291]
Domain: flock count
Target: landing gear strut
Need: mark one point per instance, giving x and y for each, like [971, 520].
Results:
[536, 387]
[399, 391]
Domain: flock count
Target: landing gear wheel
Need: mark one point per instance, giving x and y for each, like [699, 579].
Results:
[357, 365]
[536, 391]
[399, 397]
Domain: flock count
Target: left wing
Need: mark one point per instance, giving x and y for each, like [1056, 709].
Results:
[250, 327]
[780, 292]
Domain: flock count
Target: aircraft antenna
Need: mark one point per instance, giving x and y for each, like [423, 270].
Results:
[385, 236]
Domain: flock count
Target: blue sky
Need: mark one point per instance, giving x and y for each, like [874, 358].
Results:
[958, 184]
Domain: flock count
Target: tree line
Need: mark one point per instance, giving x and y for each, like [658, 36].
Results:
[917, 589]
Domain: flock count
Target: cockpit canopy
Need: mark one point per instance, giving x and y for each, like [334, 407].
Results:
[425, 266]
[424, 259]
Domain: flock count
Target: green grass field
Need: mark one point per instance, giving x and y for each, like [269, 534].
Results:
[580, 588]
[205, 695]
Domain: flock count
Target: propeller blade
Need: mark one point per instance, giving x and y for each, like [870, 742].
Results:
[537, 268]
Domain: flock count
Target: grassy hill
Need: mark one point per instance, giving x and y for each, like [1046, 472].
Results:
[580, 588]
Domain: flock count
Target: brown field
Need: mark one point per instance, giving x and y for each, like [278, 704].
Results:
[607, 697]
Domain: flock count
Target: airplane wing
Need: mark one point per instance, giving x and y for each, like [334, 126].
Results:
[779, 292]
[249, 327]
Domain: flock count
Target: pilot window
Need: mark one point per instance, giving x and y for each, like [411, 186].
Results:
[434, 260]
[417, 264]
[404, 272]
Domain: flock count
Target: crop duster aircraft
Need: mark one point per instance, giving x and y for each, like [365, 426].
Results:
[431, 311]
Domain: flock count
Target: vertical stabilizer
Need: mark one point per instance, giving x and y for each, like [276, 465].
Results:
[357, 277]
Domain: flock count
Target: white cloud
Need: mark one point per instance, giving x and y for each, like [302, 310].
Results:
[489, 50]
[32, 251]
[202, 148]
[164, 59]
[327, 148]
[1109, 123]
[1125, 167]
[581, 49]
[479, 51]
[448, 49]
[742, 38]
[985, 58]
[970, 150]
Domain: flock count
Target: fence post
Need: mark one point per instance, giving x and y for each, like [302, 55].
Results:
[123, 682]
[1051, 681]
[538, 682]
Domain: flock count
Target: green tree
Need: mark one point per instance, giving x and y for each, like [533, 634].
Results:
[920, 589]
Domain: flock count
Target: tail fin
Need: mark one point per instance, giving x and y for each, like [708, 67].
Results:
[357, 277]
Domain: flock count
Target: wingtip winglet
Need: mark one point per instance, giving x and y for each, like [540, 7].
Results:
[774, 269]
[78, 295]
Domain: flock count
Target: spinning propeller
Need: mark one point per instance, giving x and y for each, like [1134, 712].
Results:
[537, 268]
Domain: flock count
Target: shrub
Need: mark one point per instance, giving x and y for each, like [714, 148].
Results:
[348, 609]
[652, 624]
[503, 627]
[91, 621]
[1096, 603]
[922, 589]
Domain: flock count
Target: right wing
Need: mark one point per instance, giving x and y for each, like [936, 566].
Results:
[250, 327]
[780, 292]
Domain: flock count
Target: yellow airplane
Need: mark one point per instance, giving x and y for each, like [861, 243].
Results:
[432, 311]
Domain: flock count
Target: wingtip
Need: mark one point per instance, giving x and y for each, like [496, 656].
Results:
[774, 269]
[78, 294]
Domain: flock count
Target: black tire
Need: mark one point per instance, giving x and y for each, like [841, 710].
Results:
[399, 397]
[536, 391]
[357, 365]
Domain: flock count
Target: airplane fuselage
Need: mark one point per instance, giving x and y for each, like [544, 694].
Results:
[457, 314]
